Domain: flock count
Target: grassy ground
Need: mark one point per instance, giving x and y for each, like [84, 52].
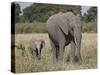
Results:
[27, 64]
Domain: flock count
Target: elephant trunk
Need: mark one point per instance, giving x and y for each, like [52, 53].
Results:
[39, 54]
[77, 39]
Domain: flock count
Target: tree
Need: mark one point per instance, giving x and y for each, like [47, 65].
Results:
[41, 12]
[90, 20]
[91, 15]
[17, 12]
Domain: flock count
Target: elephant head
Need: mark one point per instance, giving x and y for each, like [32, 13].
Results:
[37, 46]
[74, 26]
[77, 27]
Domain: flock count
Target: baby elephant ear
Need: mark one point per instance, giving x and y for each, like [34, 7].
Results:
[43, 42]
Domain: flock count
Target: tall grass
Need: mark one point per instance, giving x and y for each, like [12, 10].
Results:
[89, 27]
[39, 27]
[35, 27]
[27, 63]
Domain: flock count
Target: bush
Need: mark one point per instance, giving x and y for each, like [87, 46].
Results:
[39, 27]
[36, 27]
[89, 27]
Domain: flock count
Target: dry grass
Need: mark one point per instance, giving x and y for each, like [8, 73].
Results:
[27, 64]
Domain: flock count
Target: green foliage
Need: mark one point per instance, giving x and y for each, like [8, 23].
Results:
[90, 20]
[92, 12]
[17, 12]
[39, 27]
[36, 27]
[91, 15]
[35, 16]
[89, 27]
[41, 12]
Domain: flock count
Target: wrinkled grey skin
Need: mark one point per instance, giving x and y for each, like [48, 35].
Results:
[36, 47]
[64, 29]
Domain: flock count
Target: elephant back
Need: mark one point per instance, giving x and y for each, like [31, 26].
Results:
[58, 21]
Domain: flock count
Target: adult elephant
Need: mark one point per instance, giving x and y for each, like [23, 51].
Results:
[64, 29]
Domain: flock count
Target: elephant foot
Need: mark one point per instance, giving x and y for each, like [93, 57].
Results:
[57, 61]
[54, 61]
[73, 60]
[77, 59]
[68, 59]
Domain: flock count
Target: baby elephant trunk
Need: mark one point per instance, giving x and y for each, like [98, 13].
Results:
[39, 53]
[38, 47]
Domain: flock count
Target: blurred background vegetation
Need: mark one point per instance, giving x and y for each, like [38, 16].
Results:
[34, 17]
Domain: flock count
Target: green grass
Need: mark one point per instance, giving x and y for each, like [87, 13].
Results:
[35, 27]
[39, 27]
[90, 27]
[27, 64]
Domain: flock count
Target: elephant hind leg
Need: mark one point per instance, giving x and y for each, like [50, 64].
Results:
[54, 51]
[57, 52]
[61, 51]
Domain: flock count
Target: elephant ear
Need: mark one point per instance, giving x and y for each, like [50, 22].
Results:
[32, 45]
[64, 26]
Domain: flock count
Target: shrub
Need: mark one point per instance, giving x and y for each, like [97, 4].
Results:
[39, 27]
[36, 27]
[89, 27]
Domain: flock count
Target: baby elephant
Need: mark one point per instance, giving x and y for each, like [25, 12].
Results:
[36, 47]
